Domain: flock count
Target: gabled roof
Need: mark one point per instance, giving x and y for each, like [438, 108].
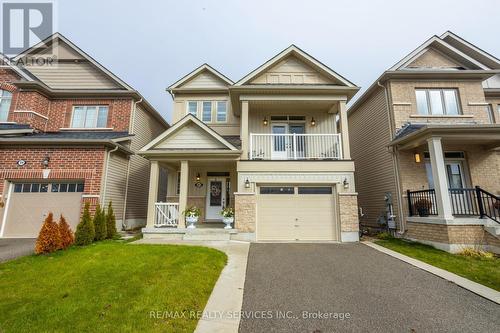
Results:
[58, 36]
[188, 119]
[195, 72]
[470, 49]
[4, 60]
[302, 55]
[439, 44]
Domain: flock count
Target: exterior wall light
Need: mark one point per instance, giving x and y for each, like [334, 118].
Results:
[346, 183]
[45, 162]
[198, 177]
[247, 183]
[313, 122]
[265, 122]
[417, 157]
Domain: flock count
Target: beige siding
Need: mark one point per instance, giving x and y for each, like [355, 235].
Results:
[190, 136]
[205, 80]
[325, 122]
[82, 75]
[369, 133]
[291, 71]
[145, 129]
[116, 183]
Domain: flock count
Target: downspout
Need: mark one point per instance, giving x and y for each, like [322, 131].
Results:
[103, 200]
[395, 162]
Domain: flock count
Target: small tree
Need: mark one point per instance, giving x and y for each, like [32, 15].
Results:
[49, 239]
[110, 222]
[67, 237]
[85, 231]
[100, 224]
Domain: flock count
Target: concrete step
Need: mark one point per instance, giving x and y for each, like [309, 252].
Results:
[494, 230]
[198, 234]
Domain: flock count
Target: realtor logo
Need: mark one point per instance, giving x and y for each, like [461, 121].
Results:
[25, 24]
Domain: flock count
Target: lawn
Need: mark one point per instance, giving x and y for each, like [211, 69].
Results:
[481, 270]
[108, 287]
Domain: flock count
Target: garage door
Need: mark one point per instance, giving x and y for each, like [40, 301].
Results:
[291, 212]
[30, 203]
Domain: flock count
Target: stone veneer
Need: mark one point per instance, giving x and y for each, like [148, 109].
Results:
[348, 209]
[245, 212]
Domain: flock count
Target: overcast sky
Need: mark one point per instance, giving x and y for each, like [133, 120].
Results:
[151, 44]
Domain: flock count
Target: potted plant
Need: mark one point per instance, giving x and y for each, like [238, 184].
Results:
[227, 217]
[423, 206]
[192, 215]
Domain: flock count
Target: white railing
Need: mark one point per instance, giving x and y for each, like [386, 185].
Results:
[295, 146]
[166, 214]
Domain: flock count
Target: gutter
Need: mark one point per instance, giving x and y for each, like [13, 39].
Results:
[107, 143]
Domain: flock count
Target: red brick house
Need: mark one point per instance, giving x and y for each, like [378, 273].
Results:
[69, 130]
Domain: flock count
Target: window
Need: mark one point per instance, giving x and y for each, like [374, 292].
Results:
[31, 188]
[315, 190]
[67, 187]
[437, 101]
[277, 190]
[89, 117]
[193, 108]
[206, 114]
[449, 154]
[288, 118]
[222, 111]
[5, 99]
[489, 111]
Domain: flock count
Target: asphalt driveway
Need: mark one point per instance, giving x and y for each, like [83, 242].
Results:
[353, 288]
[11, 248]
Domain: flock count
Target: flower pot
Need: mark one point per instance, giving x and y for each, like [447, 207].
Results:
[228, 221]
[423, 212]
[191, 220]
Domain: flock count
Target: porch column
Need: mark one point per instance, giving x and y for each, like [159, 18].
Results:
[153, 193]
[439, 176]
[183, 192]
[244, 130]
[344, 131]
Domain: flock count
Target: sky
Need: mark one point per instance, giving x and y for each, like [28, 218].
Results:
[151, 44]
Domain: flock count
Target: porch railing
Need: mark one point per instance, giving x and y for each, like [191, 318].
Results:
[295, 146]
[166, 214]
[464, 202]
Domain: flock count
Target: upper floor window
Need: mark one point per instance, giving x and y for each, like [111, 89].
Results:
[206, 114]
[193, 108]
[89, 117]
[221, 111]
[437, 102]
[5, 99]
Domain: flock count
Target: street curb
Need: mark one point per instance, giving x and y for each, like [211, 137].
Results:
[474, 287]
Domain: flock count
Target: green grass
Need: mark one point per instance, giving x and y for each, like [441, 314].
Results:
[108, 287]
[481, 270]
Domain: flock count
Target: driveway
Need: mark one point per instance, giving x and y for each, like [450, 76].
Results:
[11, 248]
[351, 287]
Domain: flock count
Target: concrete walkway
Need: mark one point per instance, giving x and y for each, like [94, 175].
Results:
[221, 314]
[12, 248]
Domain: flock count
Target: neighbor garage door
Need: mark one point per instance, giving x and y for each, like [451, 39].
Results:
[292, 212]
[30, 203]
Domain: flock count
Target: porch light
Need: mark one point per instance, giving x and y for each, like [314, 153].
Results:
[417, 157]
[247, 183]
[346, 183]
[313, 122]
[265, 122]
[198, 177]
[46, 161]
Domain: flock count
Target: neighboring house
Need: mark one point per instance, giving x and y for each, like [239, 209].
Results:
[69, 131]
[273, 145]
[423, 136]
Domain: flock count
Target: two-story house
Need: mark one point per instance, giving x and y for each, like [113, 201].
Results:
[274, 145]
[425, 138]
[69, 130]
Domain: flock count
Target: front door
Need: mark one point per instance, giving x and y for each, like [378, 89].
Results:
[216, 198]
[461, 200]
[298, 144]
[280, 141]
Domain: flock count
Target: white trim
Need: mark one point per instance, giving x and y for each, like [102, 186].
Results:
[441, 116]
[91, 196]
[32, 112]
[328, 98]
[478, 104]
[475, 48]
[198, 70]
[6, 210]
[289, 50]
[443, 221]
[352, 194]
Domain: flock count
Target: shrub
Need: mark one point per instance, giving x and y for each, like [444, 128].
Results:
[110, 222]
[476, 253]
[49, 239]
[85, 231]
[67, 237]
[100, 224]
[384, 235]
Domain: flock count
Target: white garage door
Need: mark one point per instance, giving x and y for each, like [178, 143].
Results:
[291, 212]
[29, 204]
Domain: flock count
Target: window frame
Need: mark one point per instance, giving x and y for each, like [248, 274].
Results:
[217, 112]
[187, 108]
[86, 107]
[211, 103]
[442, 100]
[265, 188]
[4, 98]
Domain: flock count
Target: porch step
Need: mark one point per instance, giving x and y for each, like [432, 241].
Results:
[199, 234]
[493, 229]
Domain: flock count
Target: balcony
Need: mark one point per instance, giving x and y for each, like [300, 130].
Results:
[295, 146]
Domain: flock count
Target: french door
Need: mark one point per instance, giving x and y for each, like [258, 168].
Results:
[284, 145]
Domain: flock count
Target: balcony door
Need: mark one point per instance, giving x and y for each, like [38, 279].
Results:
[284, 144]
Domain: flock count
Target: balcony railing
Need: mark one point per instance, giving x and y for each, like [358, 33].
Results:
[166, 214]
[295, 146]
[464, 202]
